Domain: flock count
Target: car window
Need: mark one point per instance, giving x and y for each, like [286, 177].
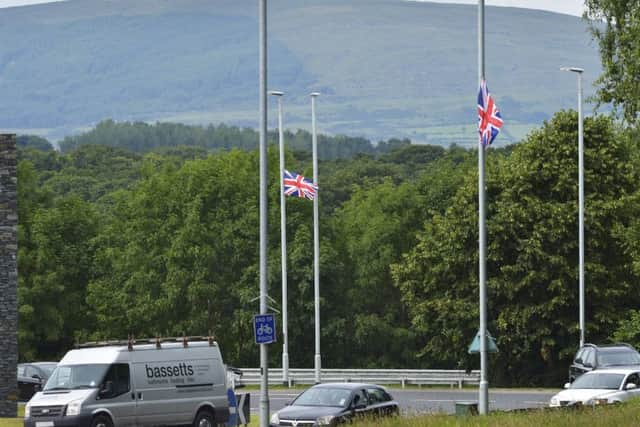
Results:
[598, 380]
[21, 370]
[30, 372]
[67, 377]
[633, 378]
[589, 357]
[359, 398]
[376, 395]
[118, 374]
[324, 396]
[617, 356]
[580, 355]
[48, 369]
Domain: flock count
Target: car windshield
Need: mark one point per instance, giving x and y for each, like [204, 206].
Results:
[68, 377]
[324, 396]
[598, 381]
[613, 357]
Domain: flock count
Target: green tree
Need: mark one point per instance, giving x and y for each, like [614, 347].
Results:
[57, 257]
[616, 27]
[532, 254]
[371, 231]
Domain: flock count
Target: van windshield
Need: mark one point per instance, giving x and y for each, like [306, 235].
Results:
[70, 377]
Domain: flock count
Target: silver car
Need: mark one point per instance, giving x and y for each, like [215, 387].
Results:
[602, 386]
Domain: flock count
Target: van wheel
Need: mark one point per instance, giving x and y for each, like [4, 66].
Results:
[204, 419]
[101, 421]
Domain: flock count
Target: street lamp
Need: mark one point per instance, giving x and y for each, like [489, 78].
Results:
[579, 72]
[283, 244]
[316, 238]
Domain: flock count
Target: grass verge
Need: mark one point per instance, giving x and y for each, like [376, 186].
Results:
[626, 414]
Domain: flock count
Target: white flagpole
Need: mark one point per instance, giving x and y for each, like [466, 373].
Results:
[283, 245]
[316, 240]
[484, 384]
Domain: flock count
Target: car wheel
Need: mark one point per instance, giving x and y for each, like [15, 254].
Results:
[101, 421]
[204, 419]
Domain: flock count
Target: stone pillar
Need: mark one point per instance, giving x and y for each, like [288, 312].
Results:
[8, 277]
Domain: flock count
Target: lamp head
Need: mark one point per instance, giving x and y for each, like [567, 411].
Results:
[275, 93]
[572, 69]
[314, 94]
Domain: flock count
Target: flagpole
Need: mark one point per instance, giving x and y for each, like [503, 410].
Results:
[283, 245]
[484, 384]
[316, 239]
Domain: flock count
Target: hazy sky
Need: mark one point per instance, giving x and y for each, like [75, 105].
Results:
[572, 7]
[9, 3]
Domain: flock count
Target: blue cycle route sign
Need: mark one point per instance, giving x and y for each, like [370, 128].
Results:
[264, 328]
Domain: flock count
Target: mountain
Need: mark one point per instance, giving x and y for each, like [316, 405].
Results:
[385, 68]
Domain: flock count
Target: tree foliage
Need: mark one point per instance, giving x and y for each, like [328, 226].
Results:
[166, 242]
[532, 254]
[616, 27]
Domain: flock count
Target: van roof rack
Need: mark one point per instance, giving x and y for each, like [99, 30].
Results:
[131, 341]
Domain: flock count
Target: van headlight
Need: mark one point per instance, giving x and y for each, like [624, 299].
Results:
[27, 410]
[275, 419]
[325, 420]
[73, 408]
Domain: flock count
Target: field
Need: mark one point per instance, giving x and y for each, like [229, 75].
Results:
[627, 414]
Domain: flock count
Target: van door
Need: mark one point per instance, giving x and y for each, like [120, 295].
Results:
[157, 402]
[117, 396]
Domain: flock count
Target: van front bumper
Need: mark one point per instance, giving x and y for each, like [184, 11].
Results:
[60, 421]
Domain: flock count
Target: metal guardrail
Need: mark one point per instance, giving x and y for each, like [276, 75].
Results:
[404, 377]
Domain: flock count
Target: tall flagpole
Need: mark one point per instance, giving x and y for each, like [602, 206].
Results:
[264, 355]
[316, 239]
[484, 384]
[283, 245]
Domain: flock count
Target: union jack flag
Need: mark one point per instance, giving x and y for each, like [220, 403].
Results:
[298, 186]
[489, 118]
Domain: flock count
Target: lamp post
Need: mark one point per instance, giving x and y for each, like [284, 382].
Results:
[316, 238]
[283, 244]
[579, 72]
[264, 350]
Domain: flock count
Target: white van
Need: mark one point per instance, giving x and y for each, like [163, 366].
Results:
[180, 382]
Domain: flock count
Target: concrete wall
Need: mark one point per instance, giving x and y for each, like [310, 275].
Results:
[8, 276]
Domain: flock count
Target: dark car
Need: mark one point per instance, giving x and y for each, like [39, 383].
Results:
[32, 377]
[335, 403]
[591, 356]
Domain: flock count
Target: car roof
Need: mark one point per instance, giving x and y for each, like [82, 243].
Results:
[349, 386]
[610, 346]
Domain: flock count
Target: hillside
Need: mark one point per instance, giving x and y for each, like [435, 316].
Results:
[385, 68]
